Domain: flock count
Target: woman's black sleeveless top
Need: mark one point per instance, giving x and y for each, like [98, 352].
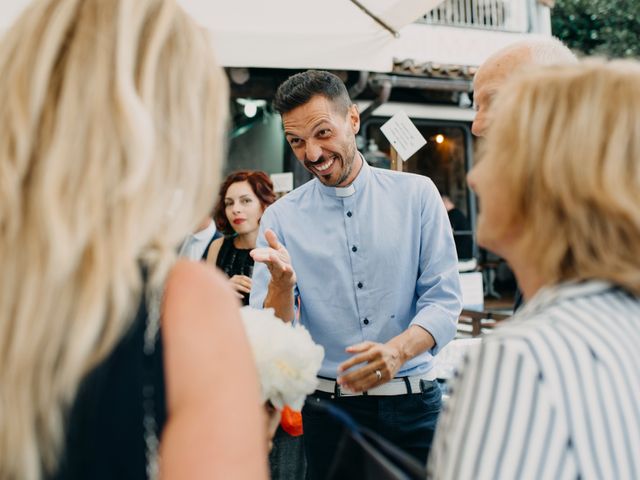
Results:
[235, 261]
[105, 433]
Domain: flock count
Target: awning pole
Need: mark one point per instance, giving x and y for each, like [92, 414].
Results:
[378, 20]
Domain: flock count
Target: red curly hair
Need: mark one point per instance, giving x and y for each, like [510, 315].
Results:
[261, 185]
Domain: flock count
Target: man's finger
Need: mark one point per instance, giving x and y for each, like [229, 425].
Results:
[261, 254]
[272, 239]
[365, 373]
[359, 347]
[355, 360]
[365, 384]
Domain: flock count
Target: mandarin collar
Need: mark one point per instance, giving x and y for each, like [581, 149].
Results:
[356, 186]
[555, 294]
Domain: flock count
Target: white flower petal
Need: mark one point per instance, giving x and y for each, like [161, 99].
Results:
[287, 358]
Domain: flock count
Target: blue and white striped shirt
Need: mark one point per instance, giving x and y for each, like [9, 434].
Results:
[371, 260]
[553, 394]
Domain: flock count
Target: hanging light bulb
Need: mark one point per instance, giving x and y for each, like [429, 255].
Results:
[251, 106]
[250, 109]
[439, 138]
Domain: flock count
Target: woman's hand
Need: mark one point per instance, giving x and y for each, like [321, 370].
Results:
[241, 284]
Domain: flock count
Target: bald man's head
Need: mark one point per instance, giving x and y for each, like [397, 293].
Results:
[493, 73]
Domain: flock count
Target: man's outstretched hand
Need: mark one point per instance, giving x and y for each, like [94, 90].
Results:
[277, 260]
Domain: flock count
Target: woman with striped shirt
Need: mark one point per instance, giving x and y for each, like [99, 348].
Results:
[555, 392]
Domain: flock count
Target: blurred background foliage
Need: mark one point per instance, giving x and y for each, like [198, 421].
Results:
[608, 28]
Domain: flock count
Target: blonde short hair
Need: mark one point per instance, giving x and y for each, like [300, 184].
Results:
[111, 133]
[568, 139]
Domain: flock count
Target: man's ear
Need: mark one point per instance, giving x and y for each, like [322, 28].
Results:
[354, 118]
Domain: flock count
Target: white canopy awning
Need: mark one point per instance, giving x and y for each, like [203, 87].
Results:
[331, 34]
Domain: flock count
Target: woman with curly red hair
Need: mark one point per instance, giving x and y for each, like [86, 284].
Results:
[244, 195]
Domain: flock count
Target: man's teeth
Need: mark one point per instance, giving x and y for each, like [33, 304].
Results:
[322, 168]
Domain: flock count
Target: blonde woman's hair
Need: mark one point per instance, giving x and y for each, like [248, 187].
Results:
[568, 141]
[110, 148]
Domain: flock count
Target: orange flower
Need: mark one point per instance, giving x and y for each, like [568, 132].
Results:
[291, 422]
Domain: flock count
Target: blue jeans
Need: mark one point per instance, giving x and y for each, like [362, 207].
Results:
[407, 421]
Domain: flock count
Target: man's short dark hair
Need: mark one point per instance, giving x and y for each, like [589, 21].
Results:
[298, 89]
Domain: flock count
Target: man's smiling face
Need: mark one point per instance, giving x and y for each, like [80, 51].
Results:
[323, 139]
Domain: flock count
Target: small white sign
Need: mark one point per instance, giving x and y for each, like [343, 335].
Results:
[472, 291]
[403, 135]
[282, 182]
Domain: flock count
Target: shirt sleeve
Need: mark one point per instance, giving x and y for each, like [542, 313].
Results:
[438, 287]
[499, 421]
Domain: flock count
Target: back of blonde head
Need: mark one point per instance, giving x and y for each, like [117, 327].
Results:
[110, 134]
[568, 139]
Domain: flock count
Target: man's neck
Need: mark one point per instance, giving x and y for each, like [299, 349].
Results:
[358, 162]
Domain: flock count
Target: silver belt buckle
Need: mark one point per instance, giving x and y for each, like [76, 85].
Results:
[342, 393]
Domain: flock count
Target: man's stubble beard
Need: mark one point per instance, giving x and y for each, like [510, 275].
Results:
[348, 168]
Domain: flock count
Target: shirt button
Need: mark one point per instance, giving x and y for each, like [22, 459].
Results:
[354, 249]
[366, 321]
[359, 284]
[349, 214]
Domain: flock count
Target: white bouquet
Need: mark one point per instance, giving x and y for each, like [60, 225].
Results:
[287, 358]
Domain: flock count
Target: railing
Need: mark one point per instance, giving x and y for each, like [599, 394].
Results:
[499, 15]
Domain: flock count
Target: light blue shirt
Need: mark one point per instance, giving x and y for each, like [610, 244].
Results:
[371, 260]
[194, 246]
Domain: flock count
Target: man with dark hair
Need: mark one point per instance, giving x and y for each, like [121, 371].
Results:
[300, 88]
[320, 90]
[365, 258]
